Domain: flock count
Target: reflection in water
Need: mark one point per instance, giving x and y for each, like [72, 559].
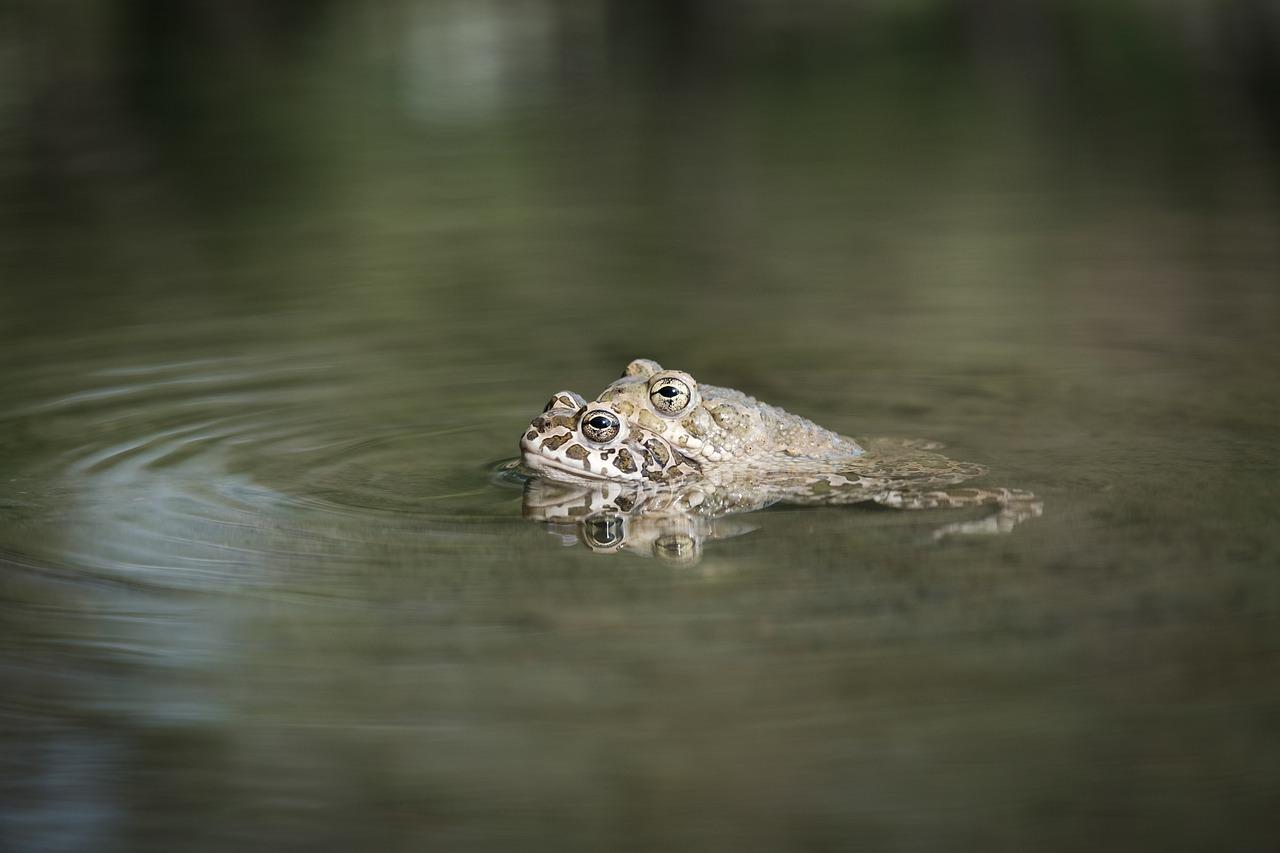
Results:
[612, 517]
[672, 522]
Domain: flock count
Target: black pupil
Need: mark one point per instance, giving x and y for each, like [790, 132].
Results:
[669, 391]
[600, 422]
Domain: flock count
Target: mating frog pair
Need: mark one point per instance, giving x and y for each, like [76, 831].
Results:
[711, 452]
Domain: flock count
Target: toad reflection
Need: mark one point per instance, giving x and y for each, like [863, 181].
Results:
[673, 524]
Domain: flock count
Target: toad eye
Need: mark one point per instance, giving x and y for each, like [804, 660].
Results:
[600, 427]
[670, 396]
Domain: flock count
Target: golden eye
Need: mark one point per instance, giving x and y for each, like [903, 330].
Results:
[670, 396]
[600, 426]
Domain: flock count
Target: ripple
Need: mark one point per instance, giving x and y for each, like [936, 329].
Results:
[233, 473]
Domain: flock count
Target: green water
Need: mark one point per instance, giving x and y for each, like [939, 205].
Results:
[270, 325]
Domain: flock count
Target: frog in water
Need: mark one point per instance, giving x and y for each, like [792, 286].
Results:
[718, 453]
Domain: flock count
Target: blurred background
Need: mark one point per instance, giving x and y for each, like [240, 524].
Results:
[282, 282]
[409, 158]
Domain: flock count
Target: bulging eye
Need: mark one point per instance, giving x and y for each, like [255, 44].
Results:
[600, 426]
[670, 396]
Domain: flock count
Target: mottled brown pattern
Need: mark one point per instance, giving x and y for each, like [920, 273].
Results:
[553, 442]
[576, 451]
[657, 451]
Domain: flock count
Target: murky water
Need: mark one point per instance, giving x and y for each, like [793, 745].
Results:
[263, 586]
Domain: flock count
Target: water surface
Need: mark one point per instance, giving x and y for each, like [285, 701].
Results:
[261, 588]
